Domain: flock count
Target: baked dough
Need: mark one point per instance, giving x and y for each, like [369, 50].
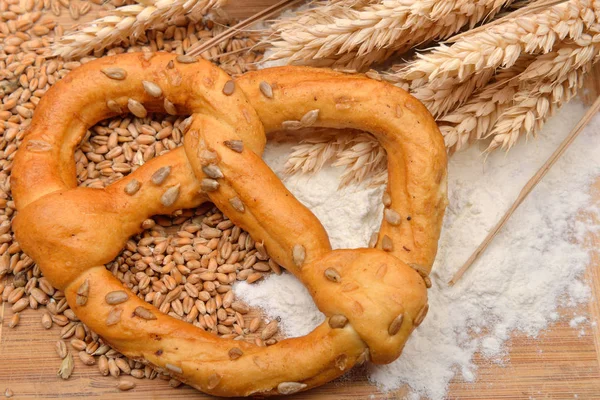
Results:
[373, 298]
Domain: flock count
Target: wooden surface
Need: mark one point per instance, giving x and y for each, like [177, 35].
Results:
[559, 364]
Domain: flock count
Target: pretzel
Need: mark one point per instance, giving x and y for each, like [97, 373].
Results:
[373, 298]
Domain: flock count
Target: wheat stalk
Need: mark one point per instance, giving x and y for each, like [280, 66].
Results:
[333, 34]
[127, 22]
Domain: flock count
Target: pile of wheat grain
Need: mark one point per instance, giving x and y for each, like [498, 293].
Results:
[183, 264]
[497, 82]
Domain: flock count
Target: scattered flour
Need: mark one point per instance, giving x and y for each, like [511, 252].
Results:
[532, 267]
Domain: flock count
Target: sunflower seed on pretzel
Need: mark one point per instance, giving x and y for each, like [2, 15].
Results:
[115, 73]
[136, 108]
[160, 175]
[152, 88]
[290, 387]
[266, 89]
[235, 145]
[144, 313]
[169, 107]
[209, 185]
[212, 171]
[186, 59]
[170, 196]
[237, 204]
[229, 87]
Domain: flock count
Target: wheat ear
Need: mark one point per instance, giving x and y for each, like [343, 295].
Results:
[532, 108]
[359, 153]
[501, 45]
[332, 34]
[130, 21]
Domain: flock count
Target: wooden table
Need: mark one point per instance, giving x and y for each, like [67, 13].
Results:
[558, 365]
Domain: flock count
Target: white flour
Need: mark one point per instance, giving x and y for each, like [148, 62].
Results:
[533, 266]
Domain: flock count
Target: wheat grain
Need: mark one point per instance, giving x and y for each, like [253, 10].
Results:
[129, 21]
[334, 34]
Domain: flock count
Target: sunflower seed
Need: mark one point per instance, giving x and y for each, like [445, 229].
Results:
[125, 384]
[152, 88]
[160, 175]
[291, 125]
[396, 324]
[290, 387]
[386, 243]
[169, 107]
[270, 330]
[115, 73]
[174, 383]
[170, 196]
[310, 117]
[83, 291]
[298, 255]
[144, 313]
[174, 368]
[212, 171]
[38, 146]
[114, 316]
[235, 353]
[116, 297]
[392, 217]
[132, 187]
[373, 240]
[66, 367]
[266, 89]
[136, 108]
[207, 157]
[8, 393]
[341, 362]
[213, 381]
[387, 199]
[237, 204]
[338, 321]
[427, 281]
[185, 124]
[333, 275]
[186, 59]
[209, 185]
[114, 107]
[364, 356]
[229, 87]
[235, 145]
[421, 315]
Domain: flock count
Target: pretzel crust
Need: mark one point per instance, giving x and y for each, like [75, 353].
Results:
[71, 232]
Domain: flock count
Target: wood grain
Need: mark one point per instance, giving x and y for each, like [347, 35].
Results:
[559, 364]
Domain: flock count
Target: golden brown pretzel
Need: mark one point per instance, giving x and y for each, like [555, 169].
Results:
[372, 298]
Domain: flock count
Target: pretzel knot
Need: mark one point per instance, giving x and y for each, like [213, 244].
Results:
[373, 298]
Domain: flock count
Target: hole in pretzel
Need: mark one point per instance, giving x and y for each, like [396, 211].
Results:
[186, 264]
